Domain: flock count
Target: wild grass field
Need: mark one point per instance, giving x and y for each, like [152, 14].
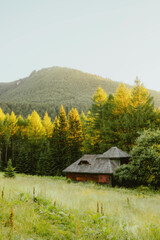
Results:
[33, 207]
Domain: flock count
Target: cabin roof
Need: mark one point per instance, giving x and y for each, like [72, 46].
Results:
[98, 163]
[115, 152]
[94, 165]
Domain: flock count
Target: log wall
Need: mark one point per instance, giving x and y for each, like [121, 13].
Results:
[101, 178]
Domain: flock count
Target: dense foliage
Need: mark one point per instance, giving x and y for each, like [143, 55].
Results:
[144, 169]
[118, 119]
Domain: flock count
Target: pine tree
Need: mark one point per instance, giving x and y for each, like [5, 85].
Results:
[55, 160]
[111, 124]
[36, 138]
[75, 135]
[2, 118]
[140, 115]
[13, 128]
[88, 133]
[63, 139]
[9, 171]
[135, 121]
[44, 163]
[95, 123]
[22, 147]
[6, 135]
[23, 161]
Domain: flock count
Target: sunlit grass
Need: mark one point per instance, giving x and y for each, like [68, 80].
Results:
[131, 211]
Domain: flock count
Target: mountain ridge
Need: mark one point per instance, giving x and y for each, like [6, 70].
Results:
[56, 86]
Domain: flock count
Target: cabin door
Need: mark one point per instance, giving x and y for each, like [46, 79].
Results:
[104, 179]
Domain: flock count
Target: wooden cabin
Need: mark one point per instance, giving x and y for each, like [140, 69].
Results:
[97, 168]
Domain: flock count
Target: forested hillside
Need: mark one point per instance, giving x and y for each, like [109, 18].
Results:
[47, 89]
[40, 146]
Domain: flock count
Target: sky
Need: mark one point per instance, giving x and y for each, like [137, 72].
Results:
[116, 39]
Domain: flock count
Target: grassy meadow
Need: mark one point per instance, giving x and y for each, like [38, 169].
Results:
[33, 207]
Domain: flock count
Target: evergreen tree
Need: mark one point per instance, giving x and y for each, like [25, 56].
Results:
[6, 136]
[23, 162]
[55, 160]
[59, 144]
[9, 171]
[22, 147]
[75, 135]
[63, 139]
[111, 124]
[13, 128]
[36, 138]
[44, 163]
[95, 123]
[2, 118]
[140, 115]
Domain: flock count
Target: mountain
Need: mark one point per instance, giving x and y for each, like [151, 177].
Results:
[47, 89]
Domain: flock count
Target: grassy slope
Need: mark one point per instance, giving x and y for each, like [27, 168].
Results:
[128, 214]
[59, 86]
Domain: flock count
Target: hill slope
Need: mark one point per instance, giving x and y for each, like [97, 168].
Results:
[55, 86]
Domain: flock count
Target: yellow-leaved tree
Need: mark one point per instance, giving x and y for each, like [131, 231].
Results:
[2, 118]
[122, 99]
[13, 128]
[48, 125]
[99, 97]
[36, 129]
[2, 115]
[139, 94]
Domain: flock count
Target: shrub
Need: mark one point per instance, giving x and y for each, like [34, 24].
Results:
[68, 180]
[144, 169]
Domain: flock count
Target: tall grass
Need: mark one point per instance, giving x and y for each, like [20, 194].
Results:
[127, 214]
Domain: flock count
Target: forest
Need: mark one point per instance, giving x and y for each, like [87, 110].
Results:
[126, 119]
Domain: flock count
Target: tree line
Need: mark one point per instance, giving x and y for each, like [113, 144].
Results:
[52, 109]
[40, 146]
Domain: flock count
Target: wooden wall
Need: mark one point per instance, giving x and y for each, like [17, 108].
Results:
[101, 178]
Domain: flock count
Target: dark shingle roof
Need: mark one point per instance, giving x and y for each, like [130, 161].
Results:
[101, 163]
[115, 152]
[95, 165]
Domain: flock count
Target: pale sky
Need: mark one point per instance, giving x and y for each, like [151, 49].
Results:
[117, 39]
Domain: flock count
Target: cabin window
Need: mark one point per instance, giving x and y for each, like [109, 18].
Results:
[85, 162]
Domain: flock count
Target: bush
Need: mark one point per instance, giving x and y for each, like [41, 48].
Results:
[144, 169]
[68, 180]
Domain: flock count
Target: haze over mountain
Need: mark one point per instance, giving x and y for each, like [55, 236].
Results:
[48, 88]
